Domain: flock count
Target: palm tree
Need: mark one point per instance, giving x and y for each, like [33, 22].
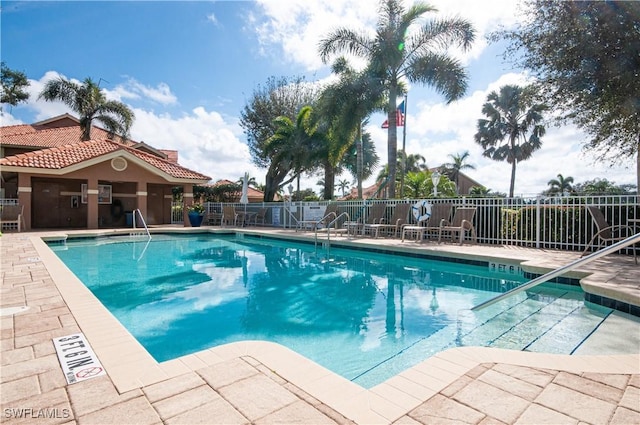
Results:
[346, 105]
[343, 185]
[511, 116]
[361, 160]
[560, 185]
[453, 168]
[414, 162]
[396, 54]
[90, 103]
[292, 148]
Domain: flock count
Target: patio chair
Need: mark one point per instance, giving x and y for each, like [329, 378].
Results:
[606, 232]
[397, 220]
[213, 218]
[376, 215]
[229, 215]
[12, 215]
[440, 213]
[461, 223]
[260, 216]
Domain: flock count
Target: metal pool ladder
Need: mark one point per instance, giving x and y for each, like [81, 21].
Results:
[143, 222]
[332, 223]
[560, 270]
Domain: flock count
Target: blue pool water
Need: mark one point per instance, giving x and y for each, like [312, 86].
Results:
[366, 316]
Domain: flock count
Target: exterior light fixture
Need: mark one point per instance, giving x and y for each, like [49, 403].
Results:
[435, 179]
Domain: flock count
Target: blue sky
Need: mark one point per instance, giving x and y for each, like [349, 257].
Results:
[187, 69]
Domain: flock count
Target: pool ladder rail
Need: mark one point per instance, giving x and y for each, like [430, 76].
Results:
[560, 270]
[332, 223]
[137, 210]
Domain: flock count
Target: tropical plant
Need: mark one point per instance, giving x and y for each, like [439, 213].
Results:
[361, 159]
[196, 207]
[90, 103]
[345, 105]
[560, 185]
[260, 119]
[414, 162]
[251, 182]
[584, 55]
[343, 185]
[396, 54]
[602, 187]
[293, 146]
[418, 184]
[13, 85]
[513, 129]
[452, 169]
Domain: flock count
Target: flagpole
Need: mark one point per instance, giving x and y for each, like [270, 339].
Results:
[404, 155]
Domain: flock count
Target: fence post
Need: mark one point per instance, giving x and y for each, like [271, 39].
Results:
[538, 226]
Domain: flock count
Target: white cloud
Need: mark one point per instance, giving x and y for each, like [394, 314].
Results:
[437, 130]
[206, 142]
[212, 18]
[133, 89]
[297, 26]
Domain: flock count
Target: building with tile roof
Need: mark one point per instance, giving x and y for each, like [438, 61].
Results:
[64, 182]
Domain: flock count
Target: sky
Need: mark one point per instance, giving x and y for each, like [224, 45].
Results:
[187, 69]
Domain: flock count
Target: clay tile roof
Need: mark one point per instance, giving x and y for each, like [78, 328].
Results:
[67, 155]
[27, 135]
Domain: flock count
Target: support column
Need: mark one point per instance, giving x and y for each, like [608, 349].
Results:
[92, 204]
[142, 197]
[24, 198]
[187, 199]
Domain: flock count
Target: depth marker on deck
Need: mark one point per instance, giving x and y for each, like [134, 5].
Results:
[77, 359]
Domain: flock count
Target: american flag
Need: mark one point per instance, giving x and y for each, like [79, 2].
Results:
[399, 117]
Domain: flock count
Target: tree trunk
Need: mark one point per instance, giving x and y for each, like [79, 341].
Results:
[392, 141]
[359, 160]
[513, 178]
[329, 180]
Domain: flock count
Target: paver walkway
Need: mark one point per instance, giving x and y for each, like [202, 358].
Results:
[243, 390]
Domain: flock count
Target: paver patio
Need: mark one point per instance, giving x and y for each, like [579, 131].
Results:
[479, 386]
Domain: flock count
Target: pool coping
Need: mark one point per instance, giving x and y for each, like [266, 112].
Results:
[130, 366]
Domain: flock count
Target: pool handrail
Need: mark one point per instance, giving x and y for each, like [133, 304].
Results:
[332, 223]
[560, 270]
[142, 219]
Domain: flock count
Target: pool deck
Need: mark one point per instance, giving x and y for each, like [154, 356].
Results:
[262, 383]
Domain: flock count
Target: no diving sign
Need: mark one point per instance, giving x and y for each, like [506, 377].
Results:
[77, 359]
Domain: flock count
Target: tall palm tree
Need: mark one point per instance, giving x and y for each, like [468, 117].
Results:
[90, 103]
[396, 54]
[453, 168]
[513, 129]
[560, 185]
[346, 104]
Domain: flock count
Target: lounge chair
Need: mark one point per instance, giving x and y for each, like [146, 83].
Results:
[375, 216]
[229, 215]
[461, 223]
[440, 214]
[606, 232]
[12, 215]
[397, 220]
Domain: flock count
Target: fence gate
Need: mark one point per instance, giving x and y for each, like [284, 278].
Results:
[177, 216]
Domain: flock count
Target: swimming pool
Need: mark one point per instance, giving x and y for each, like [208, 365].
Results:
[366, 316]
